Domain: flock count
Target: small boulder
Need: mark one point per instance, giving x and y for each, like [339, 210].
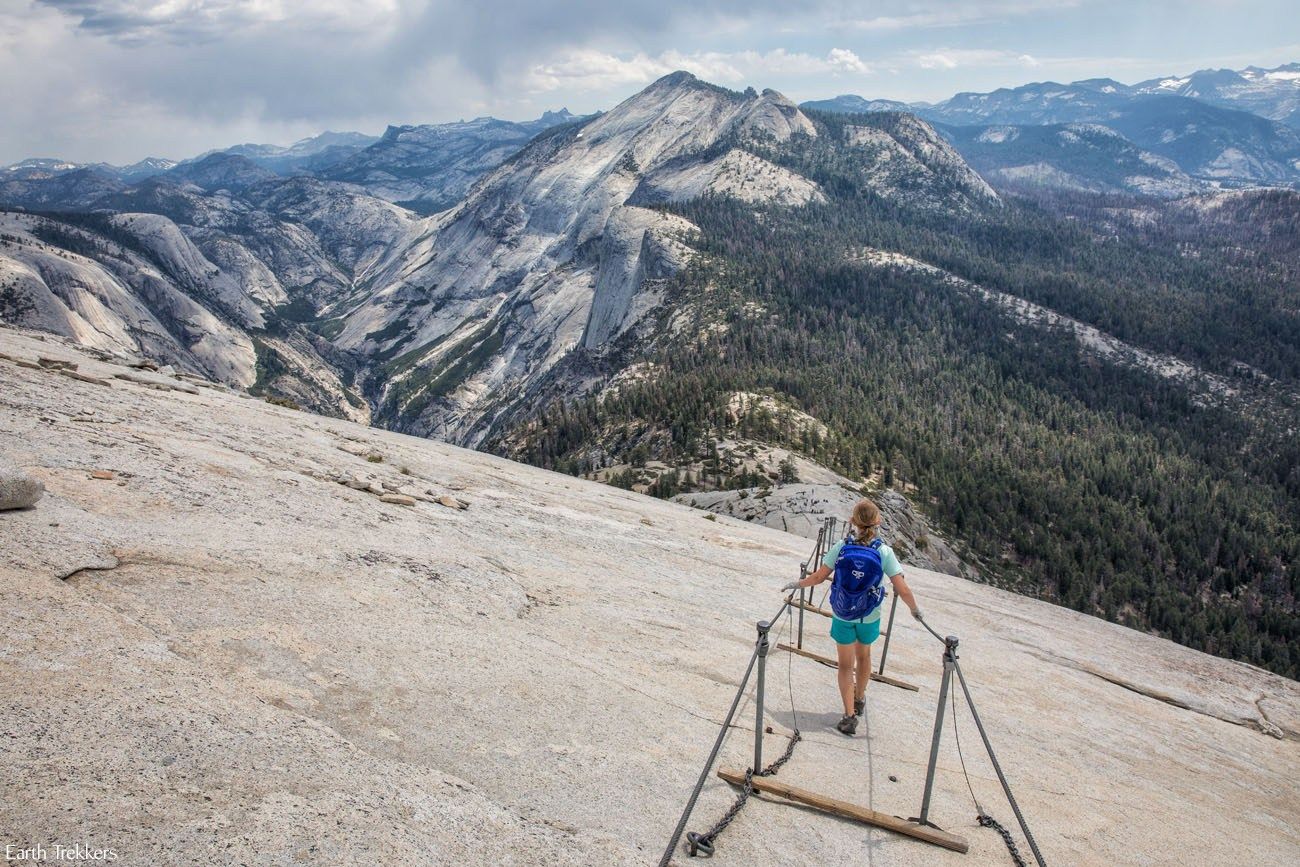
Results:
[55, 363]
[18, 489]
[106, 475]
[451, 502]
[399, 499]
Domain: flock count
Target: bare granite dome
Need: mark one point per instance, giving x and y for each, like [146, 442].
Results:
[236, 633]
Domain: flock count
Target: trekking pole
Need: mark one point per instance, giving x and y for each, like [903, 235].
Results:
[949, 663]
[763, 648]
[889, 633]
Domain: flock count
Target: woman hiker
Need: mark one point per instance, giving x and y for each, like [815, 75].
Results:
[860, 564]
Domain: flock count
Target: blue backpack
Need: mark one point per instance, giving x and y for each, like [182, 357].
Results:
[859, 585]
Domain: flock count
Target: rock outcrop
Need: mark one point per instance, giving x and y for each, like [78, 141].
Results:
[802, 507]
[223, 655]
[18, 489]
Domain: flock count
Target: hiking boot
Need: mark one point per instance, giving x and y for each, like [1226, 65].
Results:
[859, 705]
[848, 725]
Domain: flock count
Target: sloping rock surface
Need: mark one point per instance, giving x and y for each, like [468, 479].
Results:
[224, 656]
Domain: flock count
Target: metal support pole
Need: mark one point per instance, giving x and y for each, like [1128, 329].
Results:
[889, 633]
[803, 597]
[949, 663]
[1002, 778]
[763, 648]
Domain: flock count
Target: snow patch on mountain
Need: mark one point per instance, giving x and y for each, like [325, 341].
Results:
[999, 134]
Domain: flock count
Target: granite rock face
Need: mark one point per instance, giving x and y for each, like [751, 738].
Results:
[226, 656]
[18, 489]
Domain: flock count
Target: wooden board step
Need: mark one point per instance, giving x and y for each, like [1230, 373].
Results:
[846, 810]
[808, 606]
[824, 612]
[831, 663]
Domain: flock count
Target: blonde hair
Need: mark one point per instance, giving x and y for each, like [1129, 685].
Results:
[866, 518]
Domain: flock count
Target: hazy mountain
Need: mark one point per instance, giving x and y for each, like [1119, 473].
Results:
[431, 167]
[1068, 156]
[851, 104]
[1216, 126]
[71, 188]
[1214, 143]
[307, 155]
[1205, 142]
[221, 171]
[218, 281]
[1092, 101]
[40, 169]
[1272, 93]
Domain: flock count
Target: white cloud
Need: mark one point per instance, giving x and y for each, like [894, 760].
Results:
[844, 60]
[953, 58]
[937, 60]
[599, 70]
[186, 21]
[927, 15]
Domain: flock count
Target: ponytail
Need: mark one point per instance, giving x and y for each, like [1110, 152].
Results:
[866, 519]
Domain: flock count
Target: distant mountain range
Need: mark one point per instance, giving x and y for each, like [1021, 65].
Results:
[1214, 128]
[1269, 93]
[426, 168]
[431, 167]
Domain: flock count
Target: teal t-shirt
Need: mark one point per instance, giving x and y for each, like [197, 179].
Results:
[888, 562]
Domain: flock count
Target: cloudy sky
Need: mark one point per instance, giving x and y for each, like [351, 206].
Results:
[118, 80]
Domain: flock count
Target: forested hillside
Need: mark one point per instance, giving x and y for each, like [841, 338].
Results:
[1155, 497]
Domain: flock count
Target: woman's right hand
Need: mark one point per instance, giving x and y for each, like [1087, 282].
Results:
[791, 587]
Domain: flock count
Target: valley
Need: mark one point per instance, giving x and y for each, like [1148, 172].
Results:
[1083, 391]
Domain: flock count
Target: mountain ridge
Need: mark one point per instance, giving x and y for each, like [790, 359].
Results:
[1215, 140]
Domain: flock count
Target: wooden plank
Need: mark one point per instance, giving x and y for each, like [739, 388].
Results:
[844, 809]
[824, 612]
[824, 660]
[808, 606]
[831, 663]
[893, 681]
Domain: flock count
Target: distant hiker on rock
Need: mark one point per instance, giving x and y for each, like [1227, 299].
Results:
[860, 564]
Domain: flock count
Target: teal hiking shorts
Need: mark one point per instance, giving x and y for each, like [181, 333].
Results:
[849, 631]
